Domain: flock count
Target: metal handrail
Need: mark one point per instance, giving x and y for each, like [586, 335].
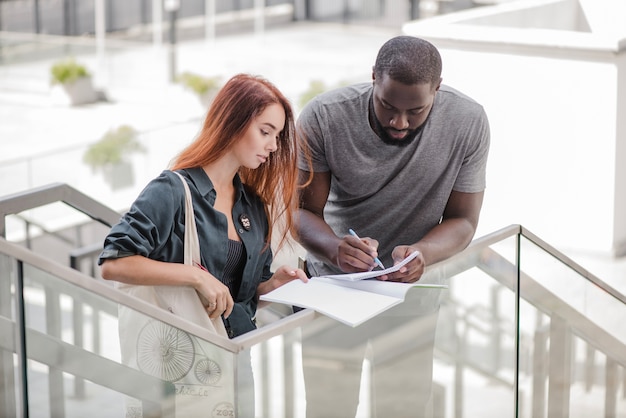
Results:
[466, 258]
[90, 285]
[572, 264]
[52, 193]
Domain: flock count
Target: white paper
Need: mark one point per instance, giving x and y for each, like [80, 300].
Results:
[393, 289]
[351, 301]
[374, 273]
[344, 304]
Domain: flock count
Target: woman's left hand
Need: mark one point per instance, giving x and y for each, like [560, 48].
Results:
[282, 275]
[285, 274]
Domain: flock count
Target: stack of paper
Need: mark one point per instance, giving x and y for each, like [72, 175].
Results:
[349, 298]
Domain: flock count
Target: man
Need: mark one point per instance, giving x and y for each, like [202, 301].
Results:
[401, 161]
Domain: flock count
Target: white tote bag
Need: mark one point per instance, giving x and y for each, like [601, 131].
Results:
[202, 373]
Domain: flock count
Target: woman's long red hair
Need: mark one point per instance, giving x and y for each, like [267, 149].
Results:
[233, 109]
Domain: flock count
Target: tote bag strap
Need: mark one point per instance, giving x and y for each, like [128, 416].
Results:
[192, 245]
[192, 251]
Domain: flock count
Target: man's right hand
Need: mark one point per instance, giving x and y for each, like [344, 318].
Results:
[357, 254]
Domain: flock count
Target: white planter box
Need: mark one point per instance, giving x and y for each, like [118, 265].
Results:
[81, 91]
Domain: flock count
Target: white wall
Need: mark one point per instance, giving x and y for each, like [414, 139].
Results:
[556, 137]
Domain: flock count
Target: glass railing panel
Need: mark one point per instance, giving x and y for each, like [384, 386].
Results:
[478, 350]
[441, 353]
[455, 347]
[475, 351]
[10, 376]
[86, 353]
[279, 385]
[327, 369]
[573, 337]
[574, 289]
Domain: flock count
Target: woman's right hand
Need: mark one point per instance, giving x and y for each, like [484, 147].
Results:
[215, 295]
[140, 270]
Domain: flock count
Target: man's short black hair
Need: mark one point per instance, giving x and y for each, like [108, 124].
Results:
[409, 60]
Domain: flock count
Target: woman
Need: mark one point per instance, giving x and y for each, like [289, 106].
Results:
[242, 175]
[241, 170]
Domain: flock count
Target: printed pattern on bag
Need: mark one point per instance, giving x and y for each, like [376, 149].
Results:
[170, 354]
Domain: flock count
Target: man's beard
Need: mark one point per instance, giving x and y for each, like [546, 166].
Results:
[382, 133]
[384, 136]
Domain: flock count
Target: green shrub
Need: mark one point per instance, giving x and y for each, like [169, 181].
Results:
[67, 71]
[199, 84]
[113, 147]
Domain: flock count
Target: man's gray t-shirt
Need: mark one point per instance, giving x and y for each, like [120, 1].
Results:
[394, 194]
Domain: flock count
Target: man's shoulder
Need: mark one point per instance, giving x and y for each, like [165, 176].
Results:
[452, 94]
[452, 100]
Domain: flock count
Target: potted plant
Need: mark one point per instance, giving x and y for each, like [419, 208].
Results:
[75, 80]
[111, 156]
[204, 87]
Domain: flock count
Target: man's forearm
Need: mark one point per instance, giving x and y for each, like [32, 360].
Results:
[446, 239]
[317, 237]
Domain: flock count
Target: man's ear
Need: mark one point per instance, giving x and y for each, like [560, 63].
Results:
[373, 75]
[439, 85]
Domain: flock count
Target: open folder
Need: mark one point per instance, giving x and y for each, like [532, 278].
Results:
[351, 298]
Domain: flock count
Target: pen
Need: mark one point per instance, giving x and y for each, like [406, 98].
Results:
[357, 237]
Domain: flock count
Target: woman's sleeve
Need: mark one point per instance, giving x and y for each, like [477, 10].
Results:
[148, 225]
